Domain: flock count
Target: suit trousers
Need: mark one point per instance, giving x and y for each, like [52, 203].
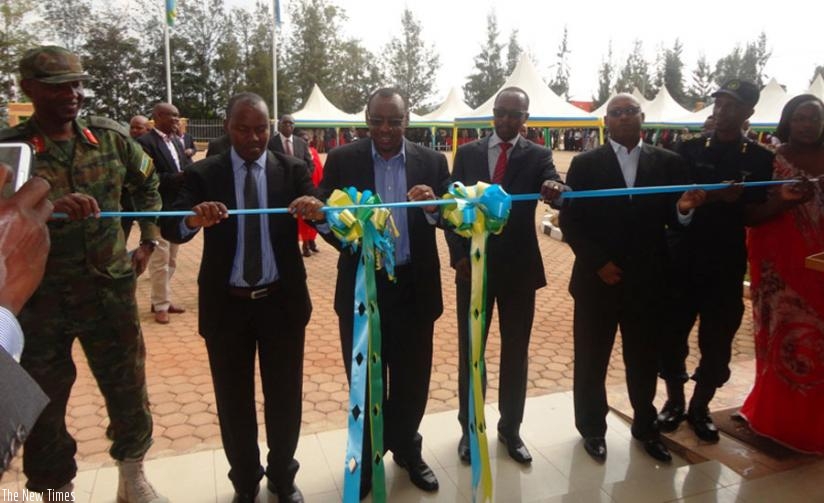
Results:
[516, 310]
[258, 329]
[162, 266]
[594, 328]
[718, 302]
[407, 362]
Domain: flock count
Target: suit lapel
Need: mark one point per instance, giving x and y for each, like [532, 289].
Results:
[612, 168]
[645, 167]
[164, 151]
[513, 164]
[365, 168]
[483, 165]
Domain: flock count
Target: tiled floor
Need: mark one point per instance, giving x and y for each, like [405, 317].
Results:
[561, 470]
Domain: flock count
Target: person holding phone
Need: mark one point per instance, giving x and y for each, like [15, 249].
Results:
[88, 289]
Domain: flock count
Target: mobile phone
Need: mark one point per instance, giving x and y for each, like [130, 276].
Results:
[19, 157]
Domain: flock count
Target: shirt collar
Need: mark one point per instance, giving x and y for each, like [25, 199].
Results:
[165, 137]
[494, 140]
[376, 156]
[617, 146]
[238, 162]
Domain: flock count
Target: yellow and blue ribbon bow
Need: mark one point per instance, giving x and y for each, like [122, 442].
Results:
[372, 230]
[479, 211]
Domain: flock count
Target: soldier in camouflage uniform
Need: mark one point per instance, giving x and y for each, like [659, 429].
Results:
[88, 292]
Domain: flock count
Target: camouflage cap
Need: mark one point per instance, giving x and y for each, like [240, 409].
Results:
[742, 90]
[52, 65]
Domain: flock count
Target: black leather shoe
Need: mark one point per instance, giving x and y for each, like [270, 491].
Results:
[290, 494]
[419, 473]
[703, 426]
[516, 448]
[596, 447]
[657, 450]
[247, 497]
[463, 449]
[313, 246]
[671, 416]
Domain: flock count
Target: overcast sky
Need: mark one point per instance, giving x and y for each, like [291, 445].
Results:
[457, 28]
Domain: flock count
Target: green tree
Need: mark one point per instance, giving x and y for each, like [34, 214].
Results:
[746, 64]
[560, 83]
[358, 75]
[411, 63]
[635, 73]
[489, 71]
[606, 74]
[703, 82]
[670, 72]
[513, 52]
[69, 21]
[113, 60]
[15, 38]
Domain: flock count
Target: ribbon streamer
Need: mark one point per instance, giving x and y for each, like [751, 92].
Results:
[579, 194]
[475, 213]
[371, 229]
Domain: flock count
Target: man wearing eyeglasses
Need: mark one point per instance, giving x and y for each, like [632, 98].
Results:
[398, 170]
[618, 276]
[514, 265]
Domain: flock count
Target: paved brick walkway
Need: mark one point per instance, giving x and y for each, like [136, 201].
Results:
[180, 388]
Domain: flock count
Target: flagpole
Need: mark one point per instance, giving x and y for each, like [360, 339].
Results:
[275, 23]
[168, 62]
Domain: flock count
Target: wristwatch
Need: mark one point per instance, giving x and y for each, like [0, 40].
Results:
[151, 243]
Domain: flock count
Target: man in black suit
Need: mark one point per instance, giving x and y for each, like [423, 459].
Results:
[252, 294]
[514, 265]
[164, 147]
[397, 170]
[287, 143]
[618, 276]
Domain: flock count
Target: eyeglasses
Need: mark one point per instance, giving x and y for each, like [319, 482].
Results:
[628, 111]
[500, 113]
[394, 122]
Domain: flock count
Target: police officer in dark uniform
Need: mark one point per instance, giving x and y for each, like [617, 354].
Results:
[709, 259]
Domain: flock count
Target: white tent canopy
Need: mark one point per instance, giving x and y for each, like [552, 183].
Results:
[320, 112]
[545, 107]
[445, 114]
[817, 87]
[771, 102]
[662, 109]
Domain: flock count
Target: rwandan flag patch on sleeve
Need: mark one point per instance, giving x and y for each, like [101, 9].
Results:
[146, 165]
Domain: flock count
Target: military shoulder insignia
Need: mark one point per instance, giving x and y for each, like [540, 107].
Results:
[102, 122]
[90, 136]
[146, 165]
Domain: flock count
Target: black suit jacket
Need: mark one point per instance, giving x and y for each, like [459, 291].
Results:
[630, 232]
[300, 149]
[212, 179]
[351, 165]
[514, 259]
[218, 146]
[170, 179]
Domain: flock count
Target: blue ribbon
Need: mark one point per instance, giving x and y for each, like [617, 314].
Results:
[577, 194]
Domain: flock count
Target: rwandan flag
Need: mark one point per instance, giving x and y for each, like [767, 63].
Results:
[171, 12]
[276, 8]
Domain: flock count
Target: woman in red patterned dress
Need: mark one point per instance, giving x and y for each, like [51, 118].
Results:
[787, 399]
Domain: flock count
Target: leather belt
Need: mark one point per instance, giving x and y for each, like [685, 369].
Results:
[253, 293]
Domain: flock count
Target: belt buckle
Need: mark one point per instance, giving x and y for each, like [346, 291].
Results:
[259, 293]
